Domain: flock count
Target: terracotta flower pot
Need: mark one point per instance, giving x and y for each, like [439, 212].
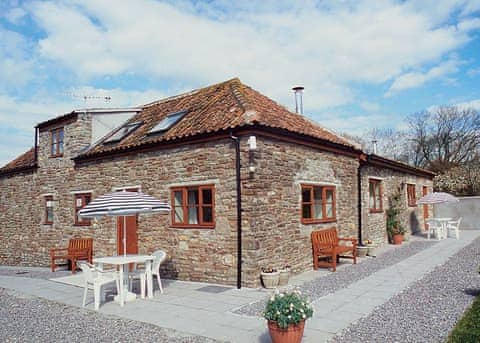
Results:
[292, 334]
[397, 239]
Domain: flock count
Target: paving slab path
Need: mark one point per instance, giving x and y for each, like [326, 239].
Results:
[215, 312]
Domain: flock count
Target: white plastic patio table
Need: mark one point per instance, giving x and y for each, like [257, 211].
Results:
[124, 261]
[443, 224]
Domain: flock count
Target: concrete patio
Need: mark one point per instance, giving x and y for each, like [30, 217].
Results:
[207, 310]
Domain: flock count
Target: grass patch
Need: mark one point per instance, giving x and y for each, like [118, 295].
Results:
[467, 329]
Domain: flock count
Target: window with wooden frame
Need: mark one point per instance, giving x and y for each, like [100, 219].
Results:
[48, 210]
[80, 201]
[412, 199]
[375, 198]
[193, 206]
[318, 204]
[56, 148]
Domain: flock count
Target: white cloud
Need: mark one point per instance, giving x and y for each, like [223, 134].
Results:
[416, 79]
[369, 106]
[15, 65]
[325, 47]
[15, 15]
[473, 104]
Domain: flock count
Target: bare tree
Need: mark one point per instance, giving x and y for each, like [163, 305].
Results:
[444, 138]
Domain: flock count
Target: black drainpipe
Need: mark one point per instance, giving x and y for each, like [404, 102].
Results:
[236, 140]
[35, 152]
[359, 190]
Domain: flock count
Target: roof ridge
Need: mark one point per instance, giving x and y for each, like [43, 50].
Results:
[194, 91]
[250, 115]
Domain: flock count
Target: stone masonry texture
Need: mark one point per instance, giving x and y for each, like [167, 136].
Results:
[272, 232]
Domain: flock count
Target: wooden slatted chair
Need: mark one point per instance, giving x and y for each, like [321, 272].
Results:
[327, 248]
[78, 249]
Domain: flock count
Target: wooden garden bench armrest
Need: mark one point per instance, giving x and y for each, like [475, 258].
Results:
[347, 239]
[55, 251]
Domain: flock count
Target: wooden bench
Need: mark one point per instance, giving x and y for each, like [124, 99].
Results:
[78, 249]
[327, 248]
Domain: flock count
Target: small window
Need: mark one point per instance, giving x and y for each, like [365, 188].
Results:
[193, 206]
[48, 210]
[123, 132]
[318, 204]
[57, 142]
[167, 122]
[80, 201]
[375, 195]
[412, 200]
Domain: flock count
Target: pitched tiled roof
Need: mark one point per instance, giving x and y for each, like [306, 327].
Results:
[22, 162]
[216, 108]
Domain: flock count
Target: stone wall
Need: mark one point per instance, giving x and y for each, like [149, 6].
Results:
[273, 232]
[374, 224]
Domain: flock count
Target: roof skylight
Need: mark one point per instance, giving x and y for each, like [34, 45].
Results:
[167, 122]
[124, 131]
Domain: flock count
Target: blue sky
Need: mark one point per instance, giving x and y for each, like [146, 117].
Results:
[363, 64]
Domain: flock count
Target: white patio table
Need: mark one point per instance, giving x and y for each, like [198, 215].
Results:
[443, 222]
[124, 261]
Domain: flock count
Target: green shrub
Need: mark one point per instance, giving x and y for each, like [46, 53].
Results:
[288, 308]
[467, 329]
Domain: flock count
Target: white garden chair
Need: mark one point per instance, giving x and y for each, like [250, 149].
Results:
[160, 256]
[434, 228]
[96, 278]
[141, 274]
[454, 227]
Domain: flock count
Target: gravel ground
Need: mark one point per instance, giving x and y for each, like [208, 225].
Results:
[30, 319]
[333, 282]
[428, 309]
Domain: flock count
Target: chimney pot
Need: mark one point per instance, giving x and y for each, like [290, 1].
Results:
[298, 90]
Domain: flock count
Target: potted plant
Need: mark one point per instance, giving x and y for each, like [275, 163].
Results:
[286, 314]
[284, 275]
[270, 277]
[395, 229]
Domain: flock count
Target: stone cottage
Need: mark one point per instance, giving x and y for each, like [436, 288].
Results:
[247, 181]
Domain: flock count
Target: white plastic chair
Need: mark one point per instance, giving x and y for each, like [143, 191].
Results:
[454, 226]
[160, 256]
[97, 278]
[138, 274]
[434, 228]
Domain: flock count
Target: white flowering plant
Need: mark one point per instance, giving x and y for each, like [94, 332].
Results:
[288, 308]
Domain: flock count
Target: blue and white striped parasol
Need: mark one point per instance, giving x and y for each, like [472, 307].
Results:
[124, 203]
[437, 198]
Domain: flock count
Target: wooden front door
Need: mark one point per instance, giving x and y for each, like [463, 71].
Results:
[131, 230]
[132, 236]
[425, 208]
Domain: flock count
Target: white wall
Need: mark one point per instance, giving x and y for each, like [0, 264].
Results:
[468, 208]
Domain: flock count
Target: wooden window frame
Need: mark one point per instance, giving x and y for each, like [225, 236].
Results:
[201, 224]
[46, 199]
[375, 208]
[411, 195]
[83, 196]
[324, 204]
[56, 133]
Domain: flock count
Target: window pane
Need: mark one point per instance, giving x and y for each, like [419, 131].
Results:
[49, 214]
[317, 194]
[54, 137]
[207, 214]
[192, 215]
[378, 196]
[306, 195]
[207, 196]
[329, 209]
[178, 198]
[193, 197]
[318, 210]
[179, 214]
[329, 196]
[60, 135]
[306, 212]
[60, 148]
[371, 195]
[54, 149]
